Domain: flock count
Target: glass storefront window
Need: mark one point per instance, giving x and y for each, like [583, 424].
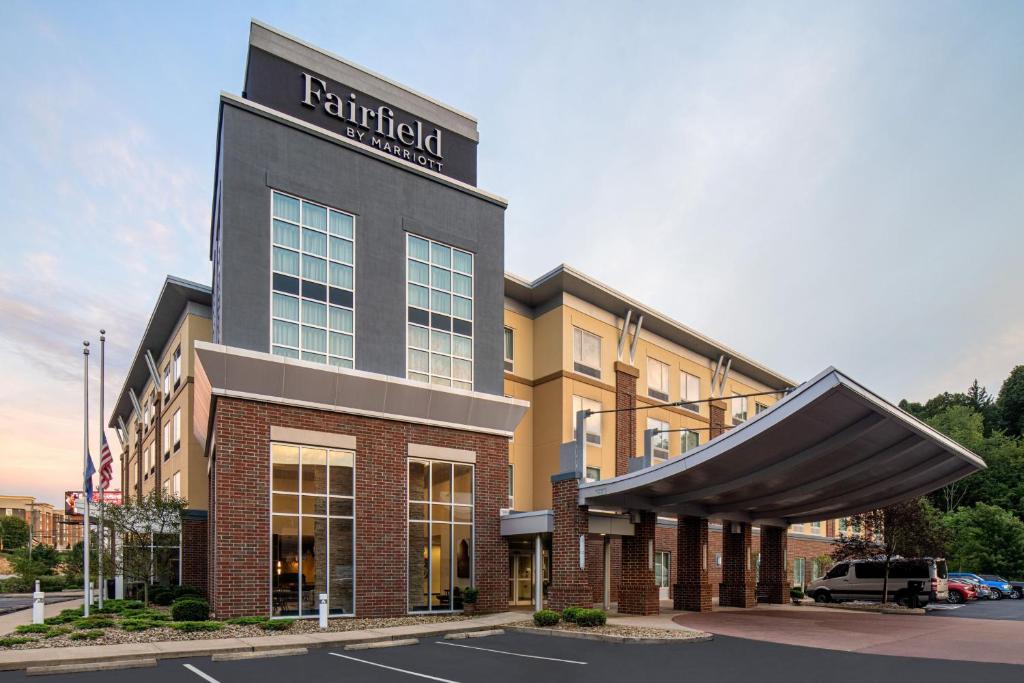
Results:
[312, 533]
[440, 534]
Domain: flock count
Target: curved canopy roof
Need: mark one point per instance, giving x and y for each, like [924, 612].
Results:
[831, 448]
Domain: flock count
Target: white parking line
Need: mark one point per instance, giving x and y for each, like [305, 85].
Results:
[199, 673]
[506, 652]
[391, 668]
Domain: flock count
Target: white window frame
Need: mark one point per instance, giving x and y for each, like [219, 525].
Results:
[167, 439]
[592, 426]
[683, 435]
[431, 376]
[508, 342]
[759, 407]
[176, 430]
[689, 390]
[739, 408]
[167, 383]
[511, 486]
[176, 364]
[590, 469]
[299, 351]
[659, 442]
[580, 363]
[663, 558]
[657, 370]
[176, 484]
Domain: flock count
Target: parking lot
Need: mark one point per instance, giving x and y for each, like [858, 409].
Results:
[1009, 610]
[515, 658]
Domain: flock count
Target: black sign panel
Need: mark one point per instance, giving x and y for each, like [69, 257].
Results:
[307, 95]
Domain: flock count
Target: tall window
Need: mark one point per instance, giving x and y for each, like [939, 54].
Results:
[176, 364]
[689, 387]
[313, 265]
[659, 442]
[759, 407]
[167, 440]
[440, 534]
[312, 534]
[176, 422]
[688, 440]
[509, 349]
[439, 292]
[176, 484]
[592, 426]
[511, 486]
[662, 573]
[586, 352]
[798, 571]
[657, 379]
[167, 384]
[739, 409]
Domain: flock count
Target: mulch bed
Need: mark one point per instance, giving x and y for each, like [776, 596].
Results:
[618, 631]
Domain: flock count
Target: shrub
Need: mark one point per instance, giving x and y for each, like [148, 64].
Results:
[158, 595]
[278, 624]
[796, 593]
[120, 606]
[248, 621]
[32, 628]
[546, 617]
[187, 592]
[470, 595]
[14, 640]
[190, 609]
[591, 617]
[86, 635]
[51, 584]
[132, 625]
[57, 631]
[98, 621]
[198, 625]
[14, 584]
[569, 614]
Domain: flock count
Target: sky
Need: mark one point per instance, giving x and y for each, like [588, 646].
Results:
[812, 184]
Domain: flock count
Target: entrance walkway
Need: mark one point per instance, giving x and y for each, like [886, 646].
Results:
[977, 640]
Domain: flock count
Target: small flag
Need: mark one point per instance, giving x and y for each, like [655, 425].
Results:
[90, 470]
[106, 464]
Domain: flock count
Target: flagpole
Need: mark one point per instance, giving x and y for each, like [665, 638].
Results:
[85, 487]
[99, 569]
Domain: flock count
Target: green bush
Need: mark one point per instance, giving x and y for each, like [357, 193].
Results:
[278, 624]
[569, 614]
[51, 584]
[546, 617]
[470, 595]
[119, 606]
[132, 625]
[158, 595]
[248, 621]
[86, 635]
[199, 625]
[15, 584]
[591, 617]
[32, 628]
[57, 631]
[65, 617]
[796, 593]
[93, 621]
[190, 609]
[187, 592]
[14, 640]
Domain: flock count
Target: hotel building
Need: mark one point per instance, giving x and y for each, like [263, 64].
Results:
[364, 404]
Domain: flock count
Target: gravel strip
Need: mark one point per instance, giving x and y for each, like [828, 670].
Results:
[638, 632]
[115, 636]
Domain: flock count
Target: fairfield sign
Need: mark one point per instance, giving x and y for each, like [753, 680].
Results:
[377, 126]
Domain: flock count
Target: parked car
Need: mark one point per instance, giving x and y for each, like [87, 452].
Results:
[1018, 590]
[863, 579]
[999, 587]
[961, 592]
[983, 591]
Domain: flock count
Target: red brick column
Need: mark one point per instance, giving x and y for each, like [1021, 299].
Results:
[569, 584]
[738, 587]
[625, 420]
[716, 421]
[693, 587]
[774, 574]
[638, 593]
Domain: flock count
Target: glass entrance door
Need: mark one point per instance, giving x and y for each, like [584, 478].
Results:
[520, 572]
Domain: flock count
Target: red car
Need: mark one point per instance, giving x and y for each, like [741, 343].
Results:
[961, 592]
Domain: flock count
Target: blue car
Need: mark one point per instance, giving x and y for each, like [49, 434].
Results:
[999, 587]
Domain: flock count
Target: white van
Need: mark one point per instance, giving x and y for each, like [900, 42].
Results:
[862, 580]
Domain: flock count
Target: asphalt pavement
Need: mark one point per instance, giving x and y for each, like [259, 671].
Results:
[514, 658]
[20, 602]
[1005, 610]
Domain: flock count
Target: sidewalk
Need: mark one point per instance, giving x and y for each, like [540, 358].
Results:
[8, 622]
[90, 654]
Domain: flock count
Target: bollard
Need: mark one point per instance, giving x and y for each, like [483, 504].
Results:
[323, 610]
[119, 587]
[38, 604]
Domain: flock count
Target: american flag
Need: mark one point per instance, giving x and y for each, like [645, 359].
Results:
[106, 463]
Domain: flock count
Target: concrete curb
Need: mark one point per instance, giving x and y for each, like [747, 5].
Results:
[79, 668]
[260, 654]
[382, 643]
[874, 610]
[99, 655]
[702, 638]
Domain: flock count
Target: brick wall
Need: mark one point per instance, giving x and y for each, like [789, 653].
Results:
[194, 555]
[625, 420]
[773, 582]
[570, 585]
[240, 516]
[693, 590]
[638, 593]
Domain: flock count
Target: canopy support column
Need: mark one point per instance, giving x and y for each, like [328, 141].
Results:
[692, 589]
[638, 594]
[738, 587]
[570, 586]
[774, 578]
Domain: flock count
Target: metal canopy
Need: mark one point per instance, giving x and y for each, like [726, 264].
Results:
[830, 449]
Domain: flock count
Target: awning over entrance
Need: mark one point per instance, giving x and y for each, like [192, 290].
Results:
[831, 448]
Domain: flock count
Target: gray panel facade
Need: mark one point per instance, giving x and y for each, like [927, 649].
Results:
[258, 155]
